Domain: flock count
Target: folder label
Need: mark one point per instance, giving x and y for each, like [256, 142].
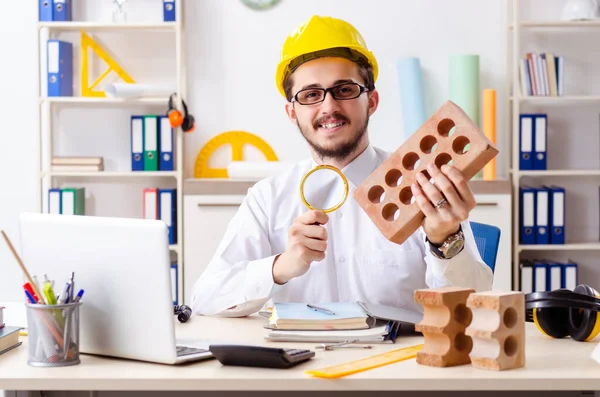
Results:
[528, 210]
[137, 144]
[558, 204]
[53, 57]
[165, 208]
[150, 204]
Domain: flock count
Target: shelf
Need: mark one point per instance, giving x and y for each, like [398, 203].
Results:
[107, 26]
[558, 24]
[104, 100]
[110, 174]
[557, 173]
[561, 247]
[558, 99]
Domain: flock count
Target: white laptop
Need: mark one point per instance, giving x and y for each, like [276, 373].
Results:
[123, 265]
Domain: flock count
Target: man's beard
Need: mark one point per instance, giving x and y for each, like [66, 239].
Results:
[342, 150]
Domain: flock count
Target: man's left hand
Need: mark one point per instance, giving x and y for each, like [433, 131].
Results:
[446, 202]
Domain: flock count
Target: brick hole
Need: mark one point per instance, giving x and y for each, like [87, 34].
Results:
[462, 314]
[428, 144]
[410, 161]
[446, 127]
[510, 346]
[376, 194]
[390, 212]
[510, 317]
[463, 343]
[442, 158]
[393, 177]
[406, 197]
[429, 178]
[460, 145]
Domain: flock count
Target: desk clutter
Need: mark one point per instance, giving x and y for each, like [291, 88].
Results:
[151, 143]
[77, 164]
[66, 201]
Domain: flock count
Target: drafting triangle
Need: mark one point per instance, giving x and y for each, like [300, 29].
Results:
[86, 89]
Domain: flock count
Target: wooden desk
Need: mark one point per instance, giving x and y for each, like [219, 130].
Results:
[551, 365]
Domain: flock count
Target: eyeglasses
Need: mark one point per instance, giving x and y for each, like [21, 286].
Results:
[311, 96]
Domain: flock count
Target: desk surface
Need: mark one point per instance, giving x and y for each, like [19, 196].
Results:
[550, 365]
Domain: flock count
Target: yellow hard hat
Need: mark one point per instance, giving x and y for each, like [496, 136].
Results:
[321, 36]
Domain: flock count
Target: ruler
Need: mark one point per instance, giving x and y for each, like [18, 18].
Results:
[337, 371]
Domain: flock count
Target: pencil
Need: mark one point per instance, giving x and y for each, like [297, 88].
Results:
[12, 249]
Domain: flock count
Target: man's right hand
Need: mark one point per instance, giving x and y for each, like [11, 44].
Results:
[307, 241]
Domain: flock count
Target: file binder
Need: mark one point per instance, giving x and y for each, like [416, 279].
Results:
[554, 275]
[540, 141]
[62, 10]
[527, 215]
[526, 276]
[137, 143]
[169, 10]
[526, 142]
[60, 68]
[174, 284]
[167, 211]
[570, 275]
[73, 201]
[150, 143]
[46, 10]
[165, 162]
[150, 204]
[54, 201]
[542, 234]
[557, 215]
[540, 276]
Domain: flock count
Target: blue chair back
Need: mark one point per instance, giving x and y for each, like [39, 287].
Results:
[487, 238]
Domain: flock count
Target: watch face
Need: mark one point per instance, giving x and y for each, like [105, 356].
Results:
[454, 248]
[260, 4]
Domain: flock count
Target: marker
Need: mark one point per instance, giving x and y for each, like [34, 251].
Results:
[78, 297]
[29, 288]
[30, 297]
[49, 293]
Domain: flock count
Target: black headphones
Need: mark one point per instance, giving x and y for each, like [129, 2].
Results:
[562, 312]
[186, 121]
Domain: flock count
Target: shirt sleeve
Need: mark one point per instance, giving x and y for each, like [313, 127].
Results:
[238, 281]
[466, 269]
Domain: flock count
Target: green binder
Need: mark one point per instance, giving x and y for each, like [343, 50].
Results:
[73, 201]
[150, 143]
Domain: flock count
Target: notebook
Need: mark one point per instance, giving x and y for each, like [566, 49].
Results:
[385, 333]
[9, 338]
[346, 316]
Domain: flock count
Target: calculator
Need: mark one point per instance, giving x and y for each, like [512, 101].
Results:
[259, 356]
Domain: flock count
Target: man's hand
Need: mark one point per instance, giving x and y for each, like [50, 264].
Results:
[307, 241]
[445, 203]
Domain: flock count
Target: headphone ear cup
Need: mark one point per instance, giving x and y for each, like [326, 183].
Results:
[188, 124]
[552, 321]
[175, 118]
[583, 322]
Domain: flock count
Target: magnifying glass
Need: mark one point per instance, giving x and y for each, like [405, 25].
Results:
[324, 188]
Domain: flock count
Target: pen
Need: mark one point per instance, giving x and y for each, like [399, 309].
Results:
[29, 289]
[30, 297]
[64, 297]
[72, 286]
[320, 309]
[78, 297]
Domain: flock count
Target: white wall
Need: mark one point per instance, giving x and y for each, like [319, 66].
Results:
[232, 54]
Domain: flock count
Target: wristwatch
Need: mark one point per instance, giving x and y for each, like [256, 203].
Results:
[451, 247]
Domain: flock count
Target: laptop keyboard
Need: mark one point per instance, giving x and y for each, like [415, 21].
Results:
[186, 350]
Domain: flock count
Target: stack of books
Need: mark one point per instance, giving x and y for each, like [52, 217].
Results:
[338, 322]
[75, 164]
[542, 74]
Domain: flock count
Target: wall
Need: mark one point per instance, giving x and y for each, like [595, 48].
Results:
[232, 53]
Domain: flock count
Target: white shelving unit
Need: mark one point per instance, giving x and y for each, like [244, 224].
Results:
[514, 30]
[47, 105]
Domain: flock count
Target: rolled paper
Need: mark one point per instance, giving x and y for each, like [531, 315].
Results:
[256, 170]
[125, 90]
[489, 129]
[464, 84]
[411, 94]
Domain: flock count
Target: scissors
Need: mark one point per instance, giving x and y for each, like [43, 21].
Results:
[346, 343]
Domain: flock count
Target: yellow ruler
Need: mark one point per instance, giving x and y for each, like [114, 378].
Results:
[337, 371]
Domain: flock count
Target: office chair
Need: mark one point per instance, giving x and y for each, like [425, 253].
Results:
[487, 238]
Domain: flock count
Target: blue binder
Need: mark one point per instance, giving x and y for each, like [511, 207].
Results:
[527, 215]
[62, 10]
[137, 143]
[540, 141]
[167, 211]
[570, 275]
[174, 283]
[540, 276]
[165, 140]
[54, 201]
[554, 276]
[169, 10]
[60, 68]
[542, 213]
[525, 142]
[46, 8]
[557, 215]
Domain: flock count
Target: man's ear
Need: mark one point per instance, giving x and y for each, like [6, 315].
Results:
[291, 112]
[373, 101]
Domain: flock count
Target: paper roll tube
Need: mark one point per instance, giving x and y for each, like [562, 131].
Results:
[256, 169]
[464, 84]
[124, 90]
[489, 129]
[411, 94]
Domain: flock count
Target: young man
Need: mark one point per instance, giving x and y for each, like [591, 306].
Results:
[276, 250]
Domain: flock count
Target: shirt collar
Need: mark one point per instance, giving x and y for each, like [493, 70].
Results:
[361, 167]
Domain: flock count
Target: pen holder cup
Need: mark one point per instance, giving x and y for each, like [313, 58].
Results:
[53, 334]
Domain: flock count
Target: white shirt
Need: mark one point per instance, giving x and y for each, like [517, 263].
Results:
[360, 263]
